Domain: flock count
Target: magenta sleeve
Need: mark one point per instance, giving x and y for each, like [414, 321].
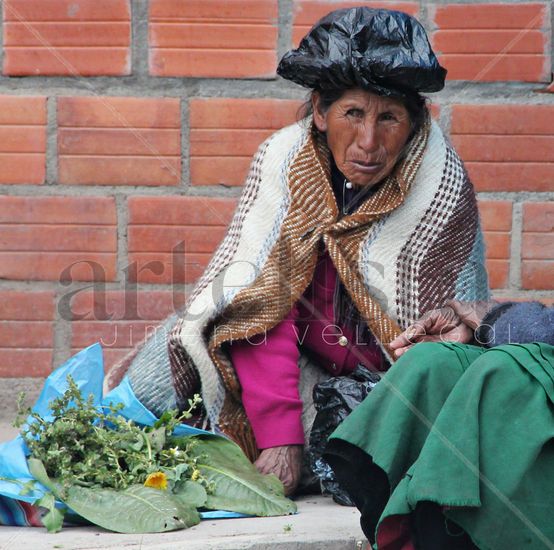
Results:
[267, 368]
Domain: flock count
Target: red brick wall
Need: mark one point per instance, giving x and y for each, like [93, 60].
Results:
[126, 129]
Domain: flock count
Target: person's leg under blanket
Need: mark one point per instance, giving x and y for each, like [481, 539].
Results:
[376, 445]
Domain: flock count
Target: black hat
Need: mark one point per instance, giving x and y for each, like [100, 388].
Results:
[380, 50]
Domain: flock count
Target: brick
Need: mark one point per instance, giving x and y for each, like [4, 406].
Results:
[538, 232]
[119, 141]
[125, 305]
[537, 274]
[513, 176]
[119, 319]
[104, 141]
[171, 239]
[538, 216]
[64, 37]
[26, 306]
[212, 38]
[502, 119]
[22, 140]
[506, 147]
[497, 245]
[72, 10]
[50, 266]
[308, 12]
[225, 133]
[492, 67]
[181, 211]
[496, 223]
[164, 268]
[490, 42]
[58, 210]
[57, 238]
[496, 215]
[26, 333]
[73, 33]
[499, 271]
[538, 246]
[23, 110]
[149, 171]
[17, 363]
[495, 16]
[113, 334]
[118, 112]
[164, 239]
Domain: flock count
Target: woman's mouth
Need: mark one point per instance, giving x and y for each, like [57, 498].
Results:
[367, 167]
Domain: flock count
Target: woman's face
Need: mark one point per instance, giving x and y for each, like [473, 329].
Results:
[365, 133]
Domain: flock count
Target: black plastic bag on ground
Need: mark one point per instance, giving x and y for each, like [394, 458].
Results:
[334, 400]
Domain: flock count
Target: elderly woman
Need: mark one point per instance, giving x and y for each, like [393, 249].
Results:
[352, 224]
[453, 448]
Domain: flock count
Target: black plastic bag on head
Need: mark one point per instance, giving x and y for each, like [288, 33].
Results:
[334, 400]
[381, 50]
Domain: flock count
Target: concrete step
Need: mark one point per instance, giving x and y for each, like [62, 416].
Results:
[320, 524]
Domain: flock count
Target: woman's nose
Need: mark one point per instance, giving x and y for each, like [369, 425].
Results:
[368, 137]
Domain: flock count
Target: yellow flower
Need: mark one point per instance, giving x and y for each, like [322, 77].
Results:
[195, 474]
[156, 480]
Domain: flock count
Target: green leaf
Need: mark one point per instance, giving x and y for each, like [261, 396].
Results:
[157, 439]
[239, 487]
[53, 519]
[191, 493]
[38, 471]
[28, 487]
[137, 509]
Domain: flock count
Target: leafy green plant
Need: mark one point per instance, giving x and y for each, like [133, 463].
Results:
[88, 445]
[134, 479]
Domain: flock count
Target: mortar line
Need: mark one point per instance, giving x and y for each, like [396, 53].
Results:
[145, 86]
[186, 182]
[62, 329]
[139, 38]
[2, 36]
[206, 191]
[284, 22]
[515, 247]
[122, 262]
[551, 38]
[51, 155]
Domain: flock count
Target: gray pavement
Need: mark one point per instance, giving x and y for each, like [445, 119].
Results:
[319, 525]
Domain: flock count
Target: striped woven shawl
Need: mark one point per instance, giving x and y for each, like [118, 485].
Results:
[410, 246]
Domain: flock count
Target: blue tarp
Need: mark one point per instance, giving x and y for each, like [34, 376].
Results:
[87, 369]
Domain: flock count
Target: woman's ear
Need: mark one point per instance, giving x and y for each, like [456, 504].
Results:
[320, 118]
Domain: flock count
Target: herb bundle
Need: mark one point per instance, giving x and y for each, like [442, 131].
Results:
[133, 479]
[88, 445]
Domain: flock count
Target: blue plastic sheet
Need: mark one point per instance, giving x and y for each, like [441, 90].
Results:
[87, 369]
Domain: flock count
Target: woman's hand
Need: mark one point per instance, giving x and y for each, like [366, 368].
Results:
[437, 325]
[471, 313]
[285, 462]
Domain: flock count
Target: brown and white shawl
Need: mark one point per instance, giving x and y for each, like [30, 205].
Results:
[410, 246]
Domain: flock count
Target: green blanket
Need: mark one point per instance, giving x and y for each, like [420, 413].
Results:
[467, 428]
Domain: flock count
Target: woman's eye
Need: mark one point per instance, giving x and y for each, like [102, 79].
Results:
[356, 113]
[387, 116]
